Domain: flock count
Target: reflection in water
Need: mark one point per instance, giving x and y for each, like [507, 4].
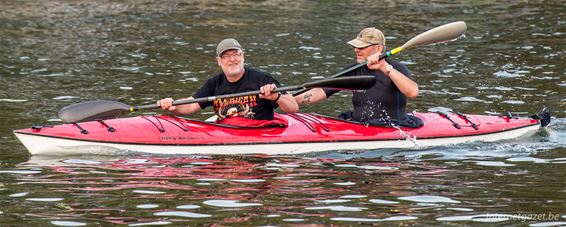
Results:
[258, 190]
[251, 186]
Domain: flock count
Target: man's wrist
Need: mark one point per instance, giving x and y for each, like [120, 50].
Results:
[388, 69]
[278, 96]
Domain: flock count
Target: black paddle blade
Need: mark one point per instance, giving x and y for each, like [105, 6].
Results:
[543, 116]
[92, 110]
[344, 83]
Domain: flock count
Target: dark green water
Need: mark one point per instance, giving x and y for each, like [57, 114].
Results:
[55, 53]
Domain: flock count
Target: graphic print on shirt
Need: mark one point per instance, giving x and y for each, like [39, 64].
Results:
[236, 106]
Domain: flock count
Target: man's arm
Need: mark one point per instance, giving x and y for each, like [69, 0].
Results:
[404, 83]
[311, 96]
[185, 109]
[407, 86]
[285, 101]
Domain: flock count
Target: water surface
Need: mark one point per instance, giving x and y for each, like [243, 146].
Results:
[55, 53]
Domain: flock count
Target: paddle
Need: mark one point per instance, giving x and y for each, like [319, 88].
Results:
[105, 109]
[436, 35]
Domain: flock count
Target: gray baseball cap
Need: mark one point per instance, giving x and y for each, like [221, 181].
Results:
[227, 44]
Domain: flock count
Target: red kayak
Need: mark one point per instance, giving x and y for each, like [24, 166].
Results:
[304, 132]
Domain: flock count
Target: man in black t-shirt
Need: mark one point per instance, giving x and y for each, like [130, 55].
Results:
[236, 78]
[385, 102]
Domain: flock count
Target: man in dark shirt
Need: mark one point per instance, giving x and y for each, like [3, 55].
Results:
[385, 102]
[236, 78]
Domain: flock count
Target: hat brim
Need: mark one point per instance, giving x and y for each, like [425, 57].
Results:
[226, 49]
[359, 44]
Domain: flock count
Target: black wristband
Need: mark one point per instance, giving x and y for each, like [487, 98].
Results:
[278, 96]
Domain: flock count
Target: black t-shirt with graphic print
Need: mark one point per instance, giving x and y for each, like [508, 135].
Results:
[261, 109]
[383, 100]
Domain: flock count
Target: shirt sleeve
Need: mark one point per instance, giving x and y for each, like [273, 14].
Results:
[268, 79]
[330, 92]
[401, 68]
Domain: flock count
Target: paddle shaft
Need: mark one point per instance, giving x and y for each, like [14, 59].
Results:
[355, 67]
[346, 71]
[356, 83]
[212, 98]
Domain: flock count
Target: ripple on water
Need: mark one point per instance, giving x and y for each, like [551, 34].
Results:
[527, 159]
[188, 207]
[68, 223]
[501, 88]
[459, 209]
[81, 161]
[526, 88]
[378, 167]
[355, 219]
[552, 223]
[506, 74]
[20, 171]
[193, 79]
[469, 99]
[21, 194]
[182, 214]
[53, 75]
[394, 218]
[150, 192]
[13, 100]
[337, 208]
[494, 96]
[513, 102]
[201, 163]
[44, 199]
[353, 196]
[493, 163]
[282, 165]
[147, 206]
[346, 165]
[400, 218]
[482, 218]
[211, 179]
[64, 97]
[334, 201]
[248, 180]
[348, 183]
[136, 161]
[283, 178]
[151, 223]
[428, 199]
[309, 48]
[381, 201]
[293, 219]
[133, 69]
[229, 203]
